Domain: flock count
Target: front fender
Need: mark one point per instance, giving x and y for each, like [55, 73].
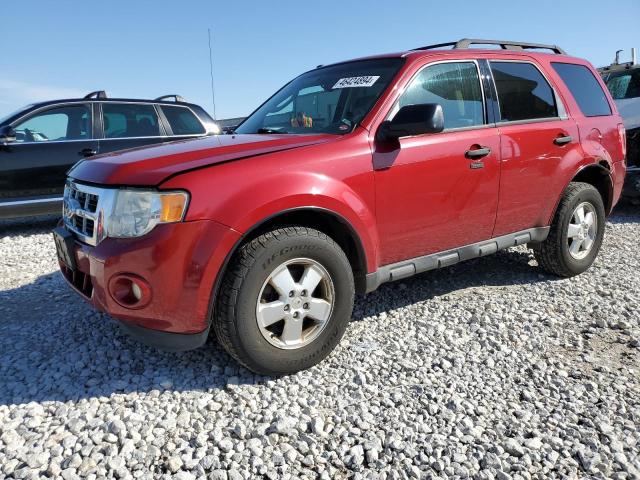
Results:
[242, 203]
[304, 190]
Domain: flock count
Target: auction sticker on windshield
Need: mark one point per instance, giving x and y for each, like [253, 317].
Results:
[350, 82]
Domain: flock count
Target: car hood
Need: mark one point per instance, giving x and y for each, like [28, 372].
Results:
[151, 165]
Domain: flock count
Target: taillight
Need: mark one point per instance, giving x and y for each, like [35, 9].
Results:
[622, 133]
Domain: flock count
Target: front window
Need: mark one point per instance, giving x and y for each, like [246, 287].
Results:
[71, 122]
[623, 85]
[455, 86]
[330, 99]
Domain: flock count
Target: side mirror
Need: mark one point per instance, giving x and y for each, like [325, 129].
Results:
[7, 135]
[412, 120]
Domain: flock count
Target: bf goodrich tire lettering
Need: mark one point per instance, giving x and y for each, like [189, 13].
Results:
[249, 280]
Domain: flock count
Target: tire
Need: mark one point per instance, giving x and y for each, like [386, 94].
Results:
[555, 254]
[250, 284]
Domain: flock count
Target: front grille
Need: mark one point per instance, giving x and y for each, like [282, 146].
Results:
[81, 210]
[88, 201]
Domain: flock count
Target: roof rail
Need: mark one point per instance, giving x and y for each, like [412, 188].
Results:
[504, 44]
[176, 98]
[96, 94]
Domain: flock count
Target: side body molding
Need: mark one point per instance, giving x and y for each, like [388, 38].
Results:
[408, 268]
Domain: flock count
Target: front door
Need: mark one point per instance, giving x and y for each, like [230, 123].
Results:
[433, 192]
[47, 144]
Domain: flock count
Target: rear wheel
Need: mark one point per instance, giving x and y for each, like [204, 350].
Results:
[576, 233]
[285, 301]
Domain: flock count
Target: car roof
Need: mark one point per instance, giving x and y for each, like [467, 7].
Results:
[110, 100]
[454, 53]
[463, 48]
[619, 67]
[27, 110]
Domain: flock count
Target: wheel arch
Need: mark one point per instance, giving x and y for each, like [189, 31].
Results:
[598, 175]
[327, 221]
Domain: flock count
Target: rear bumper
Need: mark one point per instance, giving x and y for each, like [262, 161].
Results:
[618, 175]
[180, 263]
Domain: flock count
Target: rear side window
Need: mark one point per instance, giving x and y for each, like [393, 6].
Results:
[182, 120]
[455, 86]
[584, 87]
[523, 92]
[124, 120]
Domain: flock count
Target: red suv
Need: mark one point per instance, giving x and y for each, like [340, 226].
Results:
[352, 175]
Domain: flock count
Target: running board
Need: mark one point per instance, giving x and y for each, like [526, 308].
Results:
[408, 268]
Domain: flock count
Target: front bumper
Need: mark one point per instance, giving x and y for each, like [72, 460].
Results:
[180, 262]
[168, 341]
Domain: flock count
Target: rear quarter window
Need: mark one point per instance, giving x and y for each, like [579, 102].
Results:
[584, 87]
[182, 120]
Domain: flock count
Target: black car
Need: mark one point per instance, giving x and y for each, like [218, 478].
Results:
[39, 143]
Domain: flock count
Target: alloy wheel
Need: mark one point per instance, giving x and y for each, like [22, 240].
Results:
[295, 303]
[582, 230]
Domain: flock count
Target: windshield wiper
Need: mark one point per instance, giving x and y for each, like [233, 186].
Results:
[270, 130]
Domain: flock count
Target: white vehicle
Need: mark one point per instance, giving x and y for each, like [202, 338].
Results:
[623, 81]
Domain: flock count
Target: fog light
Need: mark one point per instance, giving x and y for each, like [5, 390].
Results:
[129, 290]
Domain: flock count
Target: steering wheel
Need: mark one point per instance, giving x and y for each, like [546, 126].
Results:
[28, 135]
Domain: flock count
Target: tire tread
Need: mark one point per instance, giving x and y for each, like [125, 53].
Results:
[240, 265]
[548, 252]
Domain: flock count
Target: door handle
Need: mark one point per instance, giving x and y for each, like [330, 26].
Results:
[563, 139]
[87, 152]
[477, 152]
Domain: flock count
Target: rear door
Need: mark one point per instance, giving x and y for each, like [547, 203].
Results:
[128, 125]
[48, 142]
[536, 135]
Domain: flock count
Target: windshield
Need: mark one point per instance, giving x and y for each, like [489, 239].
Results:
[12, 114]
[326, 100]
[625, 84]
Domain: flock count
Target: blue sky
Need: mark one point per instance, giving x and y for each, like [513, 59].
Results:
[146, 49]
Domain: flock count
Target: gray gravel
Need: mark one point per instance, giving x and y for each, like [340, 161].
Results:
[489, 369]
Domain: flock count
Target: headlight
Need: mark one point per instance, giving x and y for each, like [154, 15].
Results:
[137, 212]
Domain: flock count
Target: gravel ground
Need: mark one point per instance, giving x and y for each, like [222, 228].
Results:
[489, 369]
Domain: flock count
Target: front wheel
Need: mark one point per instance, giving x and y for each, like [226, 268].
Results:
[576, 233]
[285, 301]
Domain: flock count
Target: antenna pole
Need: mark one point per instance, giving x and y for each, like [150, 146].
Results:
[213, 94]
